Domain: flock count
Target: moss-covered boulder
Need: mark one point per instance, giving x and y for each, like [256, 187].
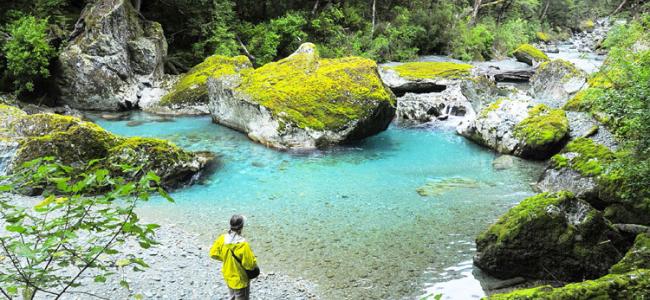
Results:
[189, 95]
[113, 56]
[527, 53]
[74, 142]
[305, 102]
[519, 127]
[628, 279]
[549, 236]
[543, 36]
[555, 82]
[630, 286]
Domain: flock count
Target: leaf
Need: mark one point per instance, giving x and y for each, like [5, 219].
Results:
[5, 188]
[165, 195]
[138, 297]
[124, 284]
[16, 228]
[123, 262]
[100, 279]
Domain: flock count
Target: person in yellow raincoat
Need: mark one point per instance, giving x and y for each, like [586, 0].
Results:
[223, 249]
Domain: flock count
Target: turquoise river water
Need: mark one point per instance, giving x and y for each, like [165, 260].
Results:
[350, 219]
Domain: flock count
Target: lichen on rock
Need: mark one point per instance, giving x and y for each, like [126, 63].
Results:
[549, 236]
[305, 102]
[520, 128]
[191, 89]
[527, 53]
[112, 57]
[73, 142]
[432, 70]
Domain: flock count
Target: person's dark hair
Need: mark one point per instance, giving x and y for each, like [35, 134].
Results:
[236, 223]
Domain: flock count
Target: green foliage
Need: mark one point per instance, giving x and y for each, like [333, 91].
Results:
[472, 43]
[219, 32]
[48, 246]
[513, 33]
[28, 52]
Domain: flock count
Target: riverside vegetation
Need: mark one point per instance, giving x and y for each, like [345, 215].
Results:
[304, 75]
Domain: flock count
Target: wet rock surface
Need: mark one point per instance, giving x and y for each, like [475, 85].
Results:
[113, 58]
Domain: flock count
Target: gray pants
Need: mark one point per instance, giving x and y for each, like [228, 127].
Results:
[240, 294]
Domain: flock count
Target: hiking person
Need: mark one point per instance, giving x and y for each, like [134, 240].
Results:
[239, 262]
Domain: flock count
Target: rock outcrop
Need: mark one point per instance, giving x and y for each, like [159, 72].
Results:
[520, 128]
[550, 236]
[304, 102]
[113, 57]
[628, 279]
[189, 94]
[73, 142]
[431, 91]
[555, 82]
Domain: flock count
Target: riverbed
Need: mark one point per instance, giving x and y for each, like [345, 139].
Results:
[390, 217]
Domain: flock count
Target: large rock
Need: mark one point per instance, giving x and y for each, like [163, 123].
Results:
[528, 54]
[550, 236]
[519, 127]
[628, 279]
[113, 57]
[189, 94]
[555, 82]
[71, 141]
[431, 91]
[304, 102]
[587, 169]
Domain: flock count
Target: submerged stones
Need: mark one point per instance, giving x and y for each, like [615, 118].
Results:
[189, 95]
[549, 236]
[439, 186]
[75, 143]
[304, 102]
[528, 54]
[112, 57]
[520, 128]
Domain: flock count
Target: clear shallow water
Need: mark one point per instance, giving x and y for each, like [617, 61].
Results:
[350, 219]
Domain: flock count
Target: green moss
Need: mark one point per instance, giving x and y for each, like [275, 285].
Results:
[528, 50]
[631, 285]
[317, 93]
[542, 36]
[638, 257]
[559, 66]
[592, 159]
[192, 89]
[155, 155]
[531, 208]
[587, 25]
[492, 107]
[543, 126]
[584, 100]
[432, 70]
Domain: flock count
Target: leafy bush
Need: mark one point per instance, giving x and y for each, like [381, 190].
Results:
[513, 33]
[28, 52]
[472, 43]
[220, 34]
[46, 248]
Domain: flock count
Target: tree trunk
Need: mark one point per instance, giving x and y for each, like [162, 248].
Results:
[545, 11]
[620, 7]
[313, 10]
[374, 13]
[137, 4]
[477, 6]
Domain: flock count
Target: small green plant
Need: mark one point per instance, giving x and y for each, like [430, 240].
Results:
[46, 248]
[28, 52]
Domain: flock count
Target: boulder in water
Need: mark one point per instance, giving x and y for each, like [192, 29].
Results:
[527, 53]
[304, 102]
[75, 143]
[549, 236]
[520, 128]
[114, 55]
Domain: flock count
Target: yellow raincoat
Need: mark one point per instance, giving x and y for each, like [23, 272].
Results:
[233, 273]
